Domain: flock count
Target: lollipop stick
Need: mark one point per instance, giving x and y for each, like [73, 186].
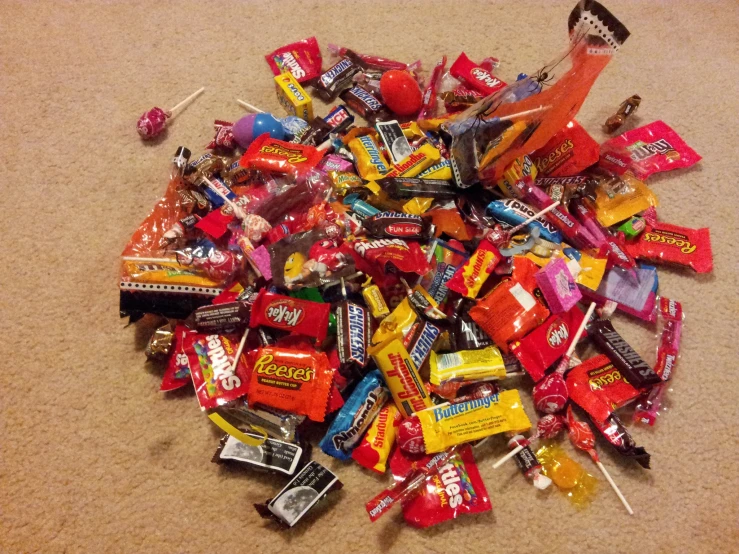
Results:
[522, 114]
[615, 488]
[239, 350]
[249, 106]
[187, 100]
[508, 456]
[580, 330]
[534, 217]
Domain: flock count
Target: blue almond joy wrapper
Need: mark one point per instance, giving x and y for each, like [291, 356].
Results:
[355, 416]
[514, 212]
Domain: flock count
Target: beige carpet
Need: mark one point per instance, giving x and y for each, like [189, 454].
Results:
[94, 459]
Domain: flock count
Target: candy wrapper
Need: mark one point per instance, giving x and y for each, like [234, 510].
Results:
[217, 375]
[310, 259]
[467, 365]
[374, 449]
[355, 417]
[469, 278]
[179, 364]
[272, 455]
[305, 489]
[301, 317]
[456, 488]
[647, 150]
[671, 244]
[569, 476]
[302, 59]
[374, 257]
[298, 381]
[569, 152]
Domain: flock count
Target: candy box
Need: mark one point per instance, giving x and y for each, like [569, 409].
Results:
[558, 286]
[293, 97]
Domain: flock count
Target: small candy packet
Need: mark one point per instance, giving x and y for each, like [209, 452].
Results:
[456, 488]
[647, 150]
[302, 58]
[467, 365]
[218, 379]
[672, 244]
[298, 316]
[374, 449]
[297, 381]
[272, 455]
[356, 416]
[470, 277]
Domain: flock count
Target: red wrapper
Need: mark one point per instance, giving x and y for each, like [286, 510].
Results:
[373, 256]
[179, 365]
[475, 76]
[665, 243]
[456, 488]
[599, 388]
[567, 153]
[294, 380]
[278, 156]
[469, 278]
[212, 358]
[538, 350]
[303, 59]
[508, 313]
[286, 313]
[224, 136]
[428, 107]
[647, 150]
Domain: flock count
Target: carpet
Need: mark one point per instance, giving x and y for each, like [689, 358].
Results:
[94, 459]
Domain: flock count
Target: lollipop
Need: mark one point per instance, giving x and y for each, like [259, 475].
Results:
[550, 394]
[153, 122]
[581, 436]
[548, 427]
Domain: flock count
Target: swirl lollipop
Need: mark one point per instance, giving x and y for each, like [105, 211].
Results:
[581, 437]
[152, 123]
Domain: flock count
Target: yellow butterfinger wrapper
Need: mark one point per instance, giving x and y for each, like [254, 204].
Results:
[467, 365]
[637, 198]
[401, 376]
[415, 162]
[397, 324]
[449, 424]
[442, 170]
[166, 272]
[371, 163]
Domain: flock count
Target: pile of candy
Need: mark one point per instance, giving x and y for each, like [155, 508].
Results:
[389, 281]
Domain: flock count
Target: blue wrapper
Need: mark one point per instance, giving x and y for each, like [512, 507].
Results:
[514, 212]
[355, 417]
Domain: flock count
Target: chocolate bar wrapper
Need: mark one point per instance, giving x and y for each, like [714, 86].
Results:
[302, 493]
[272, 455]
[221, 317]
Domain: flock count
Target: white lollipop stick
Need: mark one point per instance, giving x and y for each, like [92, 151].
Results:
[240, 350]
[580, 330]
[534, 217]
[521, 114]
[508, 456]
[249, 106]
[615, 488]
[187, 100]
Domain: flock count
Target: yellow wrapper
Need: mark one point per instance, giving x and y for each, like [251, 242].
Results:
[622, 206]
[435, 123]
[166, 272]
[371, 163]
[397, 324]
[568, 475]
[442, 170]
[517, 169]
[592, 269]
[293, 97]
[344, 181]
[449, 424]
[376, 303]
[411, 130]
[501, 144]
[417, 206]
[401, 376]
[415, 162]
[467, 365]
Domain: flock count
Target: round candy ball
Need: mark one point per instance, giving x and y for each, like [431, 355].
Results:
[249, 127]
[550, 394]
[400, 92]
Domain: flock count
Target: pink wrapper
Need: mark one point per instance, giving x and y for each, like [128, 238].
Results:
[558, 286]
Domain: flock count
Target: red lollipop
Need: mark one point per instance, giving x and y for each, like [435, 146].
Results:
[400, 92]
[548, 427]
[153, 122]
